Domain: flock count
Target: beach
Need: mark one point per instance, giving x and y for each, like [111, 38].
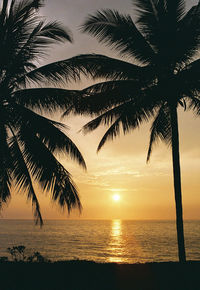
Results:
[85, 275]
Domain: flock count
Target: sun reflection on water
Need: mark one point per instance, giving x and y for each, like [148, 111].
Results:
[115, 245]
[116, 229]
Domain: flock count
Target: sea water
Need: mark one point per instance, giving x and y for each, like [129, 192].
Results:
[122, 241]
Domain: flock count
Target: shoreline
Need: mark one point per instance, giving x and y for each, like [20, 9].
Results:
[87, 275]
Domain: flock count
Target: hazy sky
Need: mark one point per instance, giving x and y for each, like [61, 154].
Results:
[146, 190]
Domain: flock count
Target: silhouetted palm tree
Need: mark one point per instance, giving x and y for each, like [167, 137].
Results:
[163, 44]
[28, 140]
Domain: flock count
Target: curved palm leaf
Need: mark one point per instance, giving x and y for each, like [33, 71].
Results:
[161, 128]
[23, 178]
[46, 169]
[29, 141]
[48, 131]
[45, 99]
[94, 65]
[129, 112]
[128, 121]
[188, 79]
[188, 40]
[194, 104]
[120, 32]
[103, 96]
[6, 165]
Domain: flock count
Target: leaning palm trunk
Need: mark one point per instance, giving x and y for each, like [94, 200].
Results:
[177, 184]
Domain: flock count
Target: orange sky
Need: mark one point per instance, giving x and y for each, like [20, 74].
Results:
[146, 190]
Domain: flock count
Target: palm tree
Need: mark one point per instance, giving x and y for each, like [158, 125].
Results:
[29, 141]
[162, 75]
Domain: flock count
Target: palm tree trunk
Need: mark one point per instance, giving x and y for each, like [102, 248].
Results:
[177, 184]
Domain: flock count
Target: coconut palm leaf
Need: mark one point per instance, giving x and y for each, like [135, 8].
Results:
[6, 166]
[188, 78]
[128, 121]
[152, 13]
[3, 13]
[48, 131]
[44, 99]
[97, 99]
[107, 118]
[127, 114]
[187, 39]
[31, 43]
[194, 104]
[161, 128]
[120, 32]
[103, 96]
[46, 169]
[94, 65]
[23, 179]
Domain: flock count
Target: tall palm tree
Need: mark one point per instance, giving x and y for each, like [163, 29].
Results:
[29, 141]
[162, 75]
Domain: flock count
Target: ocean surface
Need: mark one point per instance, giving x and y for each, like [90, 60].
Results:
[122, 241]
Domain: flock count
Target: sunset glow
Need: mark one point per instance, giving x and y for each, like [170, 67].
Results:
[119, 169]
[116, 197]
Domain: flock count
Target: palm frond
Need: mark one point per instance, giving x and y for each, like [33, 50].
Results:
[194, 104]
[26, 37]
[100, 97]
[103, 96]
[65, 191]
[37, 42]
[119, 32]
[111, 133]
[188, 79]
[23, 178]
[54, 73]
[149, 9]
[176, 8]
[55, 32]
[127, 115]
[17, 29]
[20, 8]
[161, 128]
[92, 65]
[130, 119]
[148, 19]
[46, 169]
[48, 132]
[158, 21]
[106, 118]
[3, 14]
[6, 166]
[188, 36]
[44, 99]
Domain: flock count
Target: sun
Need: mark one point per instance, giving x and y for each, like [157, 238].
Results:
[116, 197]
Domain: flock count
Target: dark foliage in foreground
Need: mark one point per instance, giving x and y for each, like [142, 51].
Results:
[83, 275]
[29, 142]
[20, 254]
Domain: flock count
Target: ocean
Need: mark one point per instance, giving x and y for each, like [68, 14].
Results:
[122, 241]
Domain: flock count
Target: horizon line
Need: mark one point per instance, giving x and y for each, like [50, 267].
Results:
[100, 219]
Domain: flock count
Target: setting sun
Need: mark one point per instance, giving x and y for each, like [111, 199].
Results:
[116, 197]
